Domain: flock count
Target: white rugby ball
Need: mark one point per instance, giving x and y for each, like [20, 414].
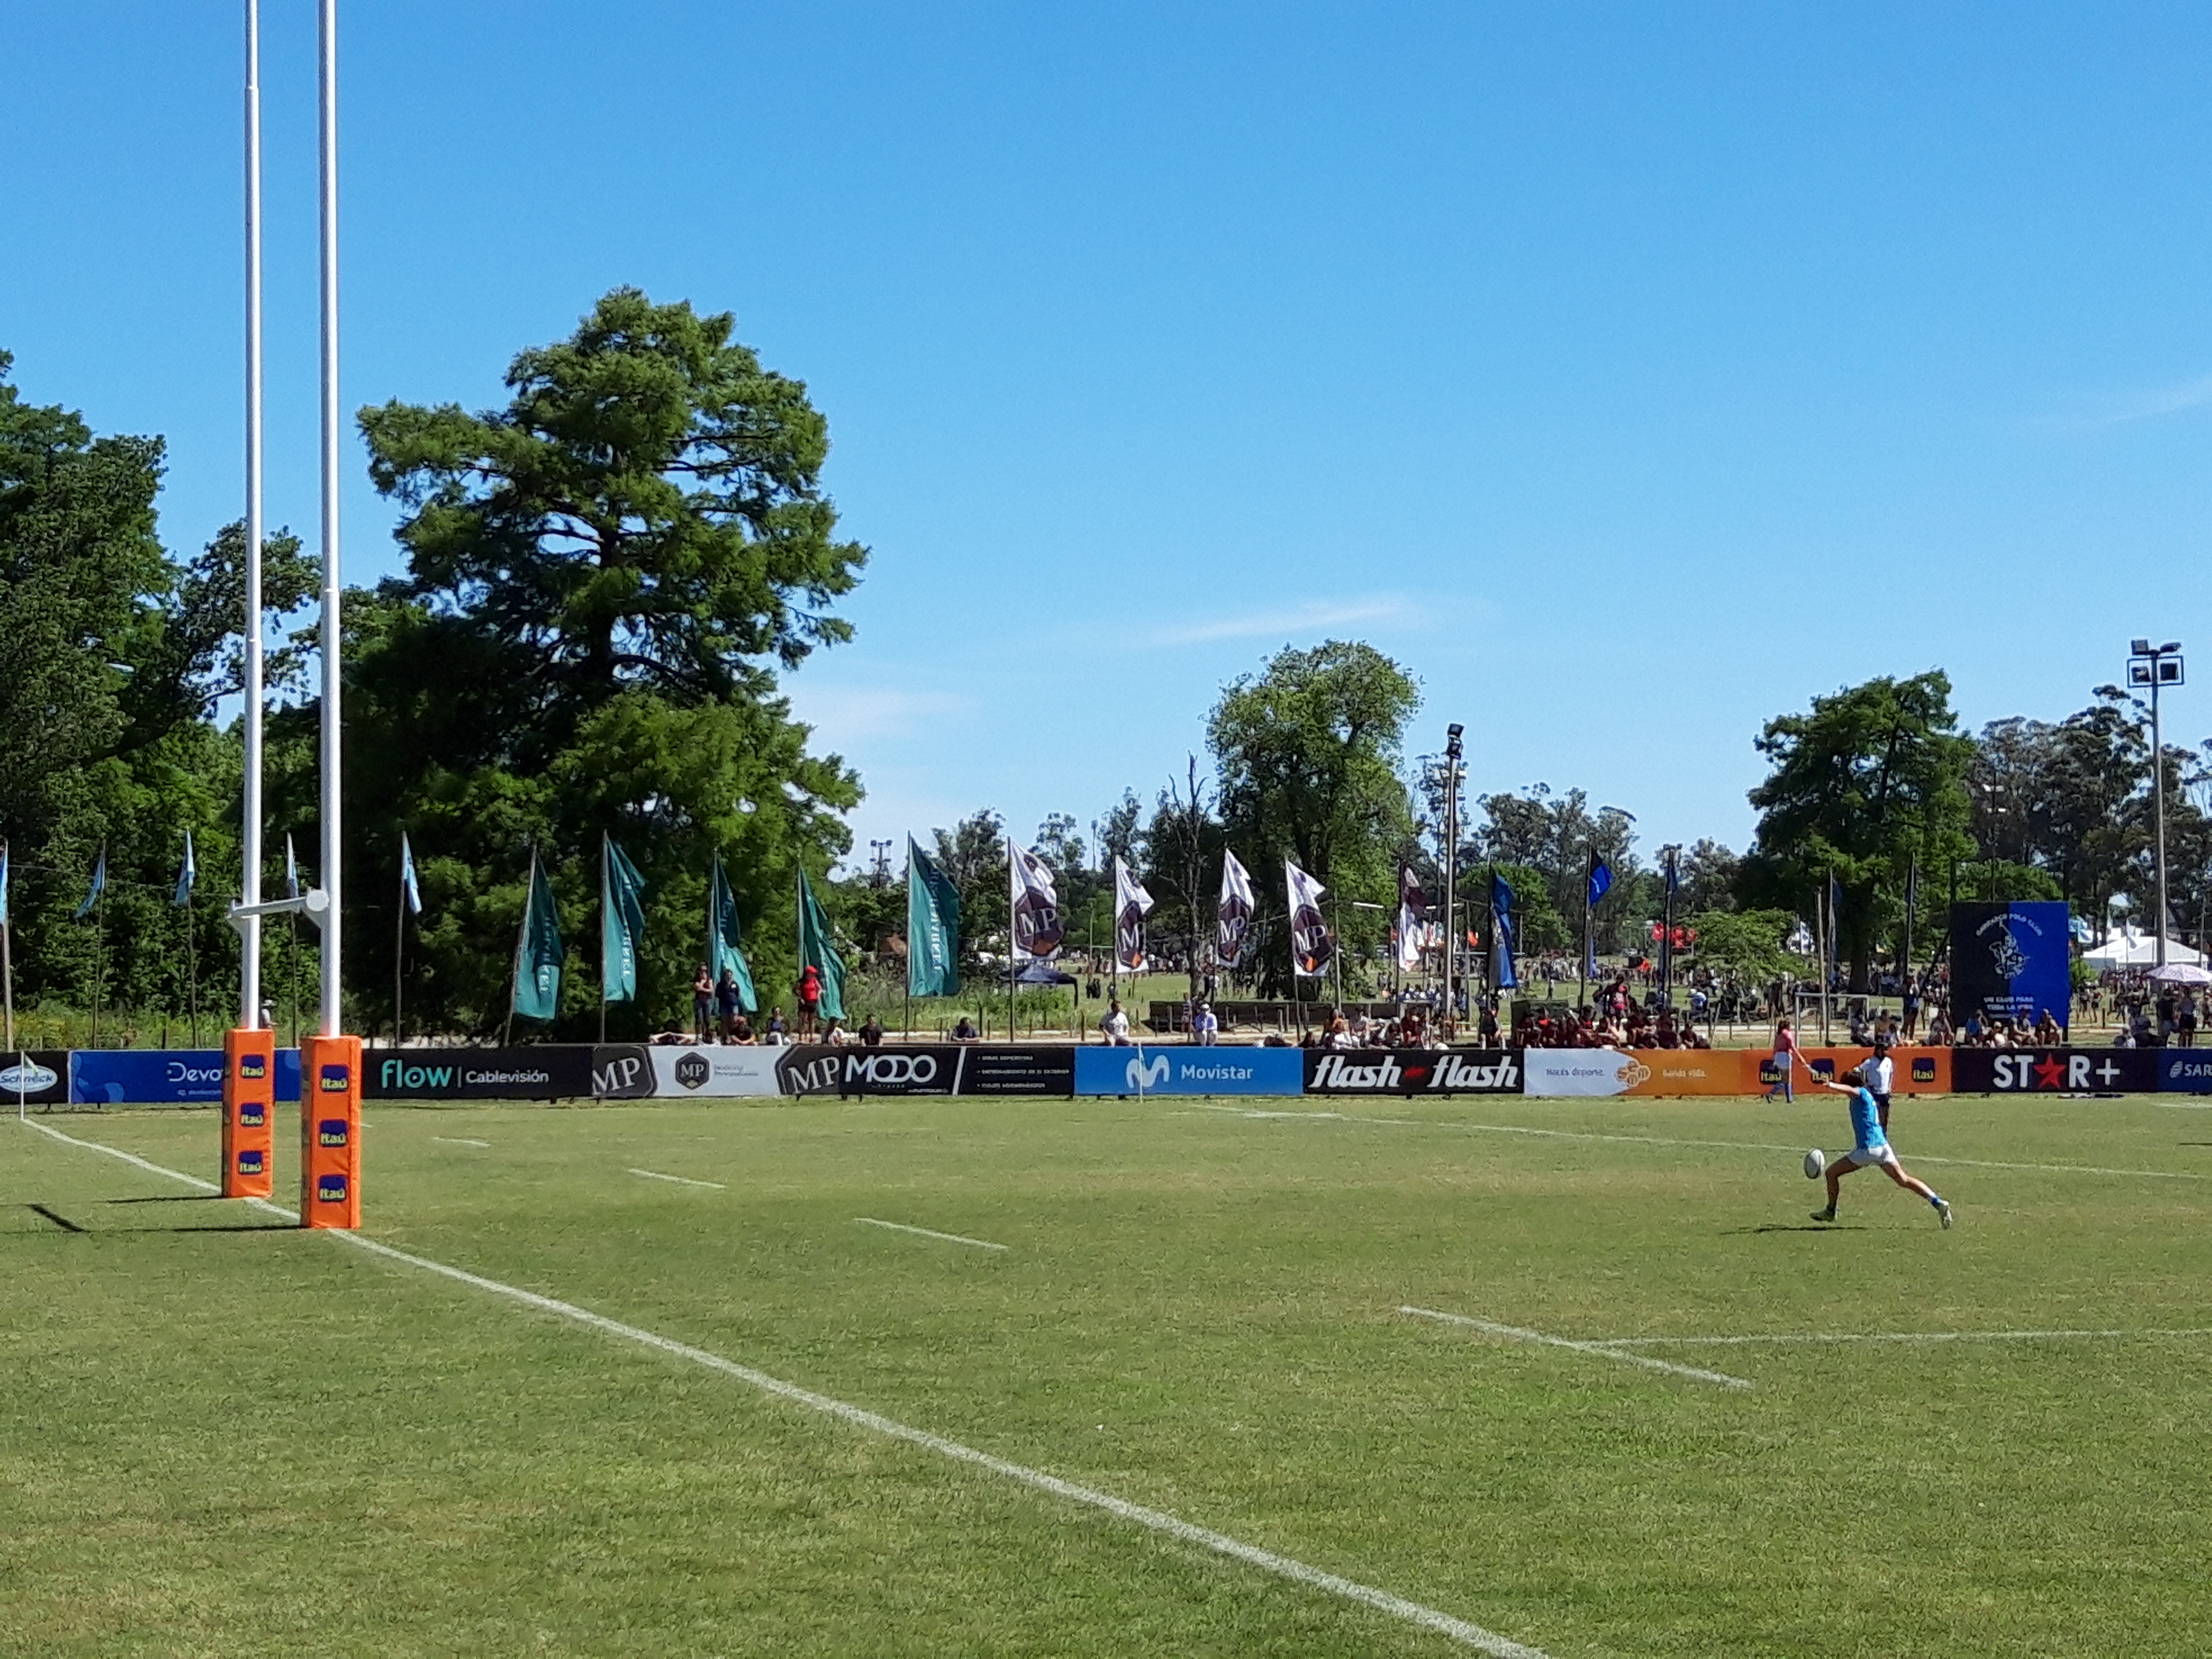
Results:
[1816, 1165]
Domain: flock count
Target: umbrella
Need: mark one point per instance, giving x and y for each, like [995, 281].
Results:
[2181, 973]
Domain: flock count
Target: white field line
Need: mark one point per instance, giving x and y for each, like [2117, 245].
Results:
[1605, 1351]
[681, 1181]
[1283, 1566]
[462, 1140]
[1740, 1146]
[1894, 1336]
[925, 1232]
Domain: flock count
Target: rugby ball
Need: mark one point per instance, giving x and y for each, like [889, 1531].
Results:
[1816, 1165]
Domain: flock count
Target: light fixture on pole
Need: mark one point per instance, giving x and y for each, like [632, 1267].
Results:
[1455, 751]
[2154, 666]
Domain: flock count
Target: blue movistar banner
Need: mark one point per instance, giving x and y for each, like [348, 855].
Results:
[1189, 1071]
[2012, 961]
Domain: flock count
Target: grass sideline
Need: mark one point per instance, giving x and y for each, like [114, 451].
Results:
[223, 1436]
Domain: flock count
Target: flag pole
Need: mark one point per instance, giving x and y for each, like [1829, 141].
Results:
[602, 935]
[332, 643]
[1582, 972]
[192, 973]
[522, 944]
[399, 949]
[99, 946]
[249, 928]
[1014, 906]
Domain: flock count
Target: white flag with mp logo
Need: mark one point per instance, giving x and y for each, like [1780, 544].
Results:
[1131, 904]
[1037, 927]
[1234, 917]
[1310, 945]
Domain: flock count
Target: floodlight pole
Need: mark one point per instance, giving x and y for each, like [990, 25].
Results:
[2148, 663]
[327, 19]
[1454, 750]
[249, 948]
[2158, 806]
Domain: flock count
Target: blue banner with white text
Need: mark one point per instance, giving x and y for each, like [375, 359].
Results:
[163, 1076]
[1189, 1071]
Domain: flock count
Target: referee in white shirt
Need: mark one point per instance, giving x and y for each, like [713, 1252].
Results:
[1877, 1074]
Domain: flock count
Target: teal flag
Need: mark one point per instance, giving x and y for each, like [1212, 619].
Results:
[621, 922]
[816, 947]
[538, 953]
[932, 927]
[725, 940]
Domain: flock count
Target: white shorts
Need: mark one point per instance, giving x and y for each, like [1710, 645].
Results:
[1866, 1157]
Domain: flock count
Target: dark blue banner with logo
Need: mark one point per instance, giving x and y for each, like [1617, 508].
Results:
[2189, 1070]
[1191, 1070]
[163, 1076]
[2012, 961]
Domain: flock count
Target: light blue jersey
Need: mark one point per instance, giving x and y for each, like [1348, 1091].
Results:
[1866, 1122]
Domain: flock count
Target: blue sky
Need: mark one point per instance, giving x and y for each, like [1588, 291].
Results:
[1630, 373]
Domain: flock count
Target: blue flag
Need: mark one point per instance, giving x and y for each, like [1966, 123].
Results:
[408, 885]
[99, 886]
[3, 884]
[1501, 920]
[187, 875]
[1600, 880]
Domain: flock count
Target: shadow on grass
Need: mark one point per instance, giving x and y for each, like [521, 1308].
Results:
[169, 1198]
[1797, 1227]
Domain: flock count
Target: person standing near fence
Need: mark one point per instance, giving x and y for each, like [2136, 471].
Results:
[702, 1003]
[1786, 1062]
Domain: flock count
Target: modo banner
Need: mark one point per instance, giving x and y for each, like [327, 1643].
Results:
[942, 1068]
[35, 1077]
[1190, 1071]
[543, 1070]
[1412, 1071]
[2055, 1070]
[163, 1076]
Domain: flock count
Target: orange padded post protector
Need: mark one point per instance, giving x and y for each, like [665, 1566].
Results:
[249, 1104]
[330, 1132]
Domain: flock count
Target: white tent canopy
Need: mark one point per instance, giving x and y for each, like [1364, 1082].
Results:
[2129, 947]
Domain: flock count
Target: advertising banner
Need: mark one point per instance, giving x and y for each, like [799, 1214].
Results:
[1696, 1071]
[540, 1071]
[1566, 1071]
[2011, 960]
[930, 1069]
[2186, 1069]
[36, 1077]
[1193, 1070]
[622, 1071]
[1412, 1072]
[1912, 1070]
[724, 1071]
[2055, 1070]
[163, 1076]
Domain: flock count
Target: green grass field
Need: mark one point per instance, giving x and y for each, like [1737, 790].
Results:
[219, 1434]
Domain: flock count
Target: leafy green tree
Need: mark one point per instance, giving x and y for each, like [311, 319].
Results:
[1309, 753]
[1557, 834]
[1870, 779]
[117, 657]
[1748, 944]
[604, 578]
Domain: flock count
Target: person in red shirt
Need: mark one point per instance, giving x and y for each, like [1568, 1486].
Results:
[809, 1001]
[1785, 1063]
